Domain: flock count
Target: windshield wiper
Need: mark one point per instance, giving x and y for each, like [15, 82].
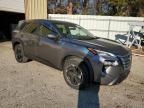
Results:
[88, 38]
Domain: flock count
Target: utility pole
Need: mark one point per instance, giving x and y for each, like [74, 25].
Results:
[35, 9]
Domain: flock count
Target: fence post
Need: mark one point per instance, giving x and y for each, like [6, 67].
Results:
[49, 17]
[109, 28]
[79, 20]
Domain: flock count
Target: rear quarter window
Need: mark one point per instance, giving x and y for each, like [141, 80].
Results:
[30, 27]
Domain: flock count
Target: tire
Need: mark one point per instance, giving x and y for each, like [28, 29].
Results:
[75, 73]
[19, 54]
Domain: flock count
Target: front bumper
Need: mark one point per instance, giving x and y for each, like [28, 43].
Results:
[115, 76]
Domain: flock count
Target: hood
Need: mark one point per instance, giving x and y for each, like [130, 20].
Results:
[104, 45]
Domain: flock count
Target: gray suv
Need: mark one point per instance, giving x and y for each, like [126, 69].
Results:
[83, 57]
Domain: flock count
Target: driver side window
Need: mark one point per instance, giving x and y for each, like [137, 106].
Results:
[76, 31]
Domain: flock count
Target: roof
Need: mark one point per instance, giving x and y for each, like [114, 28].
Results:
[58, 21]
[44, 21]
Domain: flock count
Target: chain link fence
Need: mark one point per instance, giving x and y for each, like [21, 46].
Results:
[102, 26]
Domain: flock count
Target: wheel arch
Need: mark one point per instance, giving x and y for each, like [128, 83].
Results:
[16, 42]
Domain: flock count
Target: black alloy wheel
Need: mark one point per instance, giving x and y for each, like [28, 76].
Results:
[19, 54]
[75, 73]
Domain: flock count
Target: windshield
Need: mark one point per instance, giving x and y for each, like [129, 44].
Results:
[74, 31]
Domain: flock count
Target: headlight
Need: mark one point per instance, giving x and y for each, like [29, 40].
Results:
[107, 59]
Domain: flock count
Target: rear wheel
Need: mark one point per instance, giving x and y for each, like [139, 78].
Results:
[75, 73]
[19, 54]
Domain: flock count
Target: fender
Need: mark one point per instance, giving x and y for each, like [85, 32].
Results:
[16, 40]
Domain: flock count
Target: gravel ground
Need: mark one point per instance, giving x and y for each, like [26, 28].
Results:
[34, 85]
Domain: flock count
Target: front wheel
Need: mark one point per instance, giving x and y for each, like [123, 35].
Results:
[75, 73]
[19, 54]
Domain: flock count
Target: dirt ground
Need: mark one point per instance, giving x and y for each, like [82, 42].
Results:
[34, 85]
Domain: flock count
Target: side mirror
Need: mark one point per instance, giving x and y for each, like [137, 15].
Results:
[52, 36]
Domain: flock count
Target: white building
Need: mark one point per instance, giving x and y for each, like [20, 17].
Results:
[12, 6]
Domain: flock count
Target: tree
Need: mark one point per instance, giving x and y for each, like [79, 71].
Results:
[129, 7]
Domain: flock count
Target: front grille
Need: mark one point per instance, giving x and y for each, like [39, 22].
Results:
[126, 61]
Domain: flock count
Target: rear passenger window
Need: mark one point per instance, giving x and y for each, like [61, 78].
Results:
[29, 28]
[43, 30]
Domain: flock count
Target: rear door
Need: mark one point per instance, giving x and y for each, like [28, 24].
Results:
[29, 39]
[47, 49]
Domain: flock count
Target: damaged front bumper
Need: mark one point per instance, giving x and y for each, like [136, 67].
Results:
[112, 74]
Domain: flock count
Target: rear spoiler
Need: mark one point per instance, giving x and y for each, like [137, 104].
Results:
[16, 28]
